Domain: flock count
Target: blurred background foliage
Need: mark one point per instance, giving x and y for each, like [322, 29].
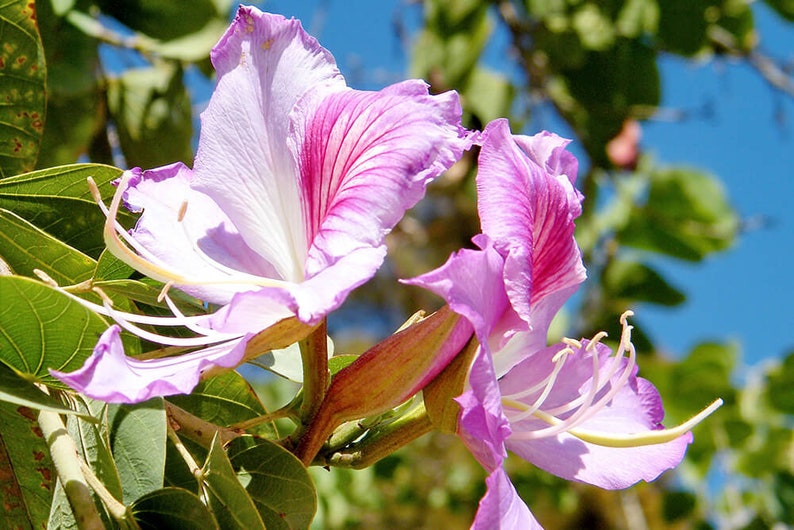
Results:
[123, 80]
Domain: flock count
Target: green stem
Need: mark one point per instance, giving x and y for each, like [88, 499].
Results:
[384, 442]
[314, 354]
[192, 465]
[67, 465]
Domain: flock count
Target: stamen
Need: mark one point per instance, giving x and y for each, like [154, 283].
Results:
[164, 291]
[146, 263]
[547, 384]
[46, 278]
[182, 211]
[640, 439]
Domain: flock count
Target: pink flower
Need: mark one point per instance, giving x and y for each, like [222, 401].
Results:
[297, 181]
[572, 409]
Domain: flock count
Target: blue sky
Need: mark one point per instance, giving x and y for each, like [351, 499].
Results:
[743, 294]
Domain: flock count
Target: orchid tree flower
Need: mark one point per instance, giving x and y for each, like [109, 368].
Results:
[574, 409]
[297, 180]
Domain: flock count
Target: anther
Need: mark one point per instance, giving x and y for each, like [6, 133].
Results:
[182, 210]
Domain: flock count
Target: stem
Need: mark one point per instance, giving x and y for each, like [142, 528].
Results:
[314, 354]
[384, 442]
[192, 465]
[67, 465]
[116, 508]
[195, 428]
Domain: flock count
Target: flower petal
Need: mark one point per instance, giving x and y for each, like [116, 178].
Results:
[471, 283]
[109, 375]
[200, 244]
[365, 158]
[265, 64]
[529, 213]
[482, 426]
[637, 407]
[501, 508]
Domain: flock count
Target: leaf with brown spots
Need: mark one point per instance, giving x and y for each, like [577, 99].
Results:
[22, 87]
[26, 471]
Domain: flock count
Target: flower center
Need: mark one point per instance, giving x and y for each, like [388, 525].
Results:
[603, 388]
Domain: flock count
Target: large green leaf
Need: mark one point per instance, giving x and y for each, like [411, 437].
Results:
[58, 201]
[27, 477]
[18, 391]
[172, 509]
[138, 439]
[231, 504]
[277, 482]
[686, 215]
[166, 20]
[24, 247]
[225, 400]
[42, 328]
[22, 85]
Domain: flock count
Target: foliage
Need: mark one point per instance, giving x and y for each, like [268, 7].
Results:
[595, 63]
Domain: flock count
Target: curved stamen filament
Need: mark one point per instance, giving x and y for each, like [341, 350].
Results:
[585, 406]
[546, 384]
[147, 263]
[640, 439]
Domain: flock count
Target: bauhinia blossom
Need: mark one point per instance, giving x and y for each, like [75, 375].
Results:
[573, 409]
[296, 182]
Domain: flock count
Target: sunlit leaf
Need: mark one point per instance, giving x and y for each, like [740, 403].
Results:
[43, 328]
[22, 85]
[58, 201]
[24, 247]
[18, 391]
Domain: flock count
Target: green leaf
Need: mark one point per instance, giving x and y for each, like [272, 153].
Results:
[58, 201]
[632, 281]
[277, 482]
[93, 443]
[151, 107]
[172, 509]
[22, 85]
[780, 385]
[784, 8]
[488, 95]
[686, 215]
[27, 476]
[682, 25]
[24, 247]
[109, 267]
[137, 440]
[225, 400]
[165, 20]
[18, 391]
[231, 504]
[42, 328]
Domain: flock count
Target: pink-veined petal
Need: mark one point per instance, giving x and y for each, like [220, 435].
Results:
[265, 64]
[365, 158]
[109, 375]
[637, 407]
[529, 214]
[501, 508]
